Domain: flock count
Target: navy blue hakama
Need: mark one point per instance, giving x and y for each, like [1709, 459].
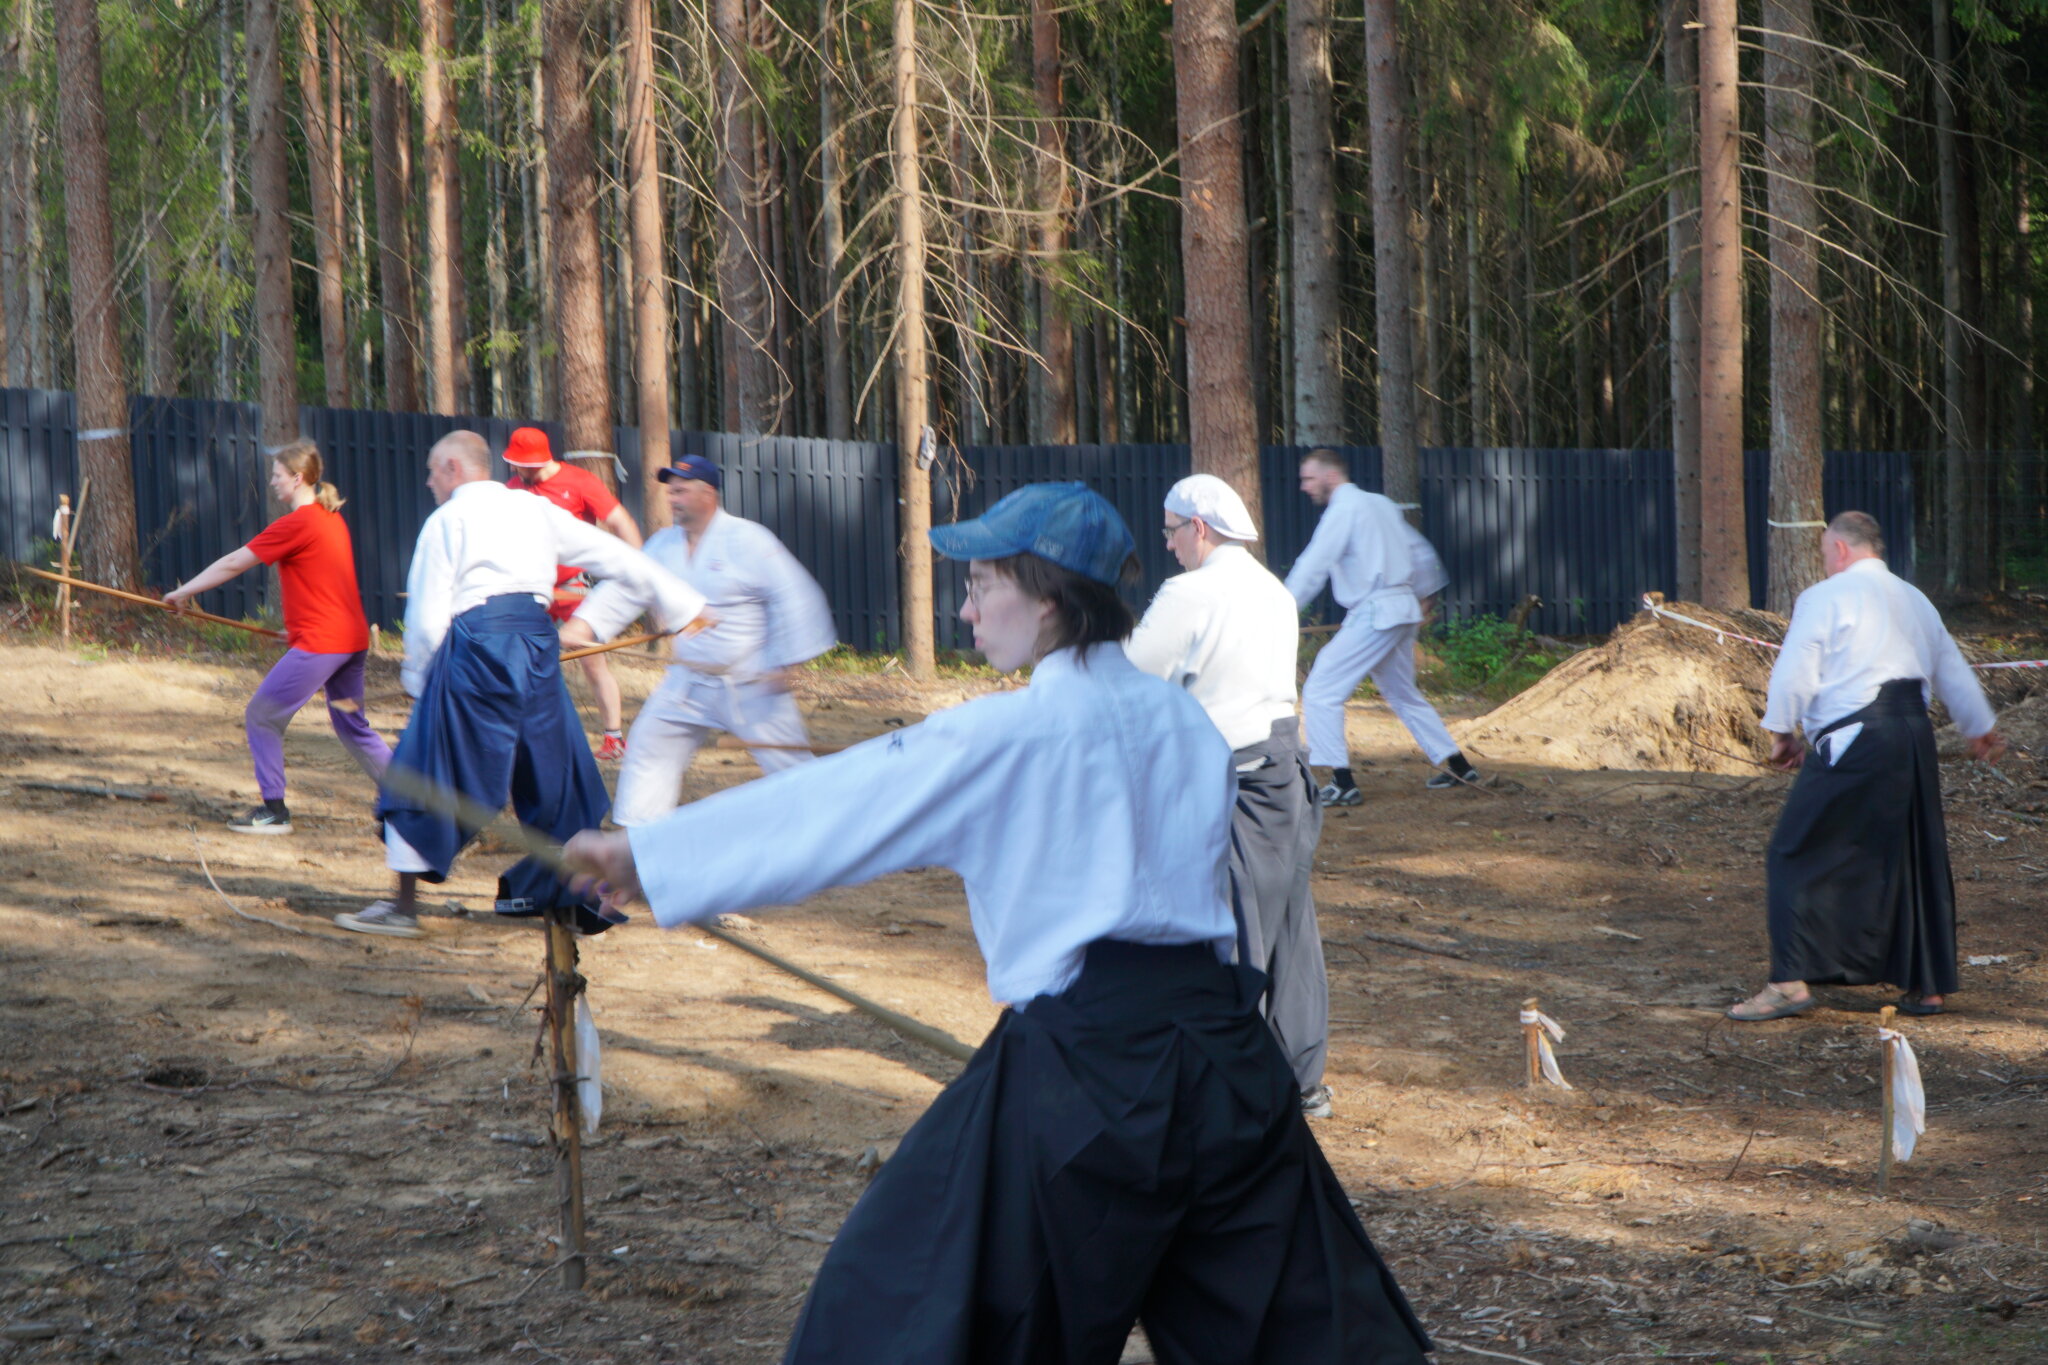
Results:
[1130, 1149]
[494, 721]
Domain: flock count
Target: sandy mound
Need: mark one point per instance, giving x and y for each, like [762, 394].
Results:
[1659, 695]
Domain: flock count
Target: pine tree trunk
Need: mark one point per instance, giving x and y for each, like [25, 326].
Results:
[1585, 416]
[1055, 206]
[913, 480]
[1478, 381]
[1795, 506]
[832, 238]
[1215, 252]
[277, 333]
[159, 309]
[323, 173]
[1955, 449]
[391, 170]
[107, 548]
[748, 380]
[1682, 270]
[225, 360]
[17, 190]
[1981, 461]
[586, 395]
[497, 247]
[437, 155]
[1724, 564]
[650, 285]
[1393, 269]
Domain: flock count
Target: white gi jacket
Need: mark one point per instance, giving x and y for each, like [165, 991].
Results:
[771, 612]
[1857, 630]
[1094, 803]
[1361, 548]
[488, 540]
[1226, 632]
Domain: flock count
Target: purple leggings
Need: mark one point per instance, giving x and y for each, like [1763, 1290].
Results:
[289, 685]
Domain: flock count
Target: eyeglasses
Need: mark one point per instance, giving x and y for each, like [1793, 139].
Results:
[1173, 526]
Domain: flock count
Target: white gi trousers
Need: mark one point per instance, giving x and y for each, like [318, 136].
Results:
[1388, 656]
[676, 720]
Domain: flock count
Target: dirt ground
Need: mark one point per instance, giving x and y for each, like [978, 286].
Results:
[231, 1133]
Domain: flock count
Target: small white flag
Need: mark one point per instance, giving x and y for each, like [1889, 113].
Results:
[1550, 1030]
[589, 1090]
[1909, 1099]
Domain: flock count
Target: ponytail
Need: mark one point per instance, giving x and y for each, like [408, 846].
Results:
[302, 458]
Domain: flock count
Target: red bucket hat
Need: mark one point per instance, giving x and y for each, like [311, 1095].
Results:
[528, 448]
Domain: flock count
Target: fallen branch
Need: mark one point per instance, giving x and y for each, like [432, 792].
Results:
[1411, 944]
[1443, 1340]
[87, 789]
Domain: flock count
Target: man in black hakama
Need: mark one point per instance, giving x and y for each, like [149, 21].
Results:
[1860, 890]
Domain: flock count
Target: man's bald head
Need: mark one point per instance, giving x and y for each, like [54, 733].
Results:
[458, 458]
[1850, 536]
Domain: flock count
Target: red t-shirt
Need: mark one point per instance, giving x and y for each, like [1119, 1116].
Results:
[582, 495]
[323, 611]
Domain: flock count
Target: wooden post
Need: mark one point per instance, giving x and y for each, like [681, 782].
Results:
[564, 985]
[64, 544]
[1884, 1151]
[1532, 1042]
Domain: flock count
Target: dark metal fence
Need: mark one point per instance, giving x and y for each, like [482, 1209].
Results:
[1588, 531]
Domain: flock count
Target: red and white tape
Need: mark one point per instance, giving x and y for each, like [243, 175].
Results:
[1650, 604]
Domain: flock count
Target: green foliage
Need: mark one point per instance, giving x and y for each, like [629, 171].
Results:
[1487, 655]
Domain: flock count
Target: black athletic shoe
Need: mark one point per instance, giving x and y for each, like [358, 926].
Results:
[1334, 795]
[263, 819]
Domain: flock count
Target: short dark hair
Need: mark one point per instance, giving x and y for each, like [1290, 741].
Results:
[1085, 611]
[1859, 529]
[1329, 459]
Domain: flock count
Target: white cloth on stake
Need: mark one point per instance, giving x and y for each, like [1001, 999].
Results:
[589, 1069]
[1550, 1030]
[1909, 1098]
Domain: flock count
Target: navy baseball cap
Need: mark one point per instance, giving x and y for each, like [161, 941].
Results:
[1069, 524]
[692, 467]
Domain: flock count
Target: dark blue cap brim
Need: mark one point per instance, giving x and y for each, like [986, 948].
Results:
[974, 540]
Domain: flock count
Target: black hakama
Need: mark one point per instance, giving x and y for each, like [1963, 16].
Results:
[1131, 1149]
[1860, 890]
[494, 721]
[1273, 834]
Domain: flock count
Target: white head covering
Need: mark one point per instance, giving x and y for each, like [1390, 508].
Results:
[1215, 502]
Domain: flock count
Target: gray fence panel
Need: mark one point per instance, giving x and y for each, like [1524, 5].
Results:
[39, 447]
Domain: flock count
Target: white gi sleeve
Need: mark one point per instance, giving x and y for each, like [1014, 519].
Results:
[799, 617]
[916, 798]
[1795, 677]
[1166, 636]
[429, 602]
[1312, 570]
[1955, 682]
[607, 557]
[1429, 577]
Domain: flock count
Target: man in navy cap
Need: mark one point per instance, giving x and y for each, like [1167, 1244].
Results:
[1128, 1144]
[771, 617]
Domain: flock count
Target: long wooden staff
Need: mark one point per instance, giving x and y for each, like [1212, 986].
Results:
[191, 612]
[626, 642]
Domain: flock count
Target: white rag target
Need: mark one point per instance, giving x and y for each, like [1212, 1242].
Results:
[1909, 1099]
[1550, 1031]
[589, 1091]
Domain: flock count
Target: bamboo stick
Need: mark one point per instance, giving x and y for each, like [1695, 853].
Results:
[191, 612]
[1884, 1151]
[564, 984]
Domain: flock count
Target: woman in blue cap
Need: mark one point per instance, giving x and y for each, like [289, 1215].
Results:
[1128, 1144]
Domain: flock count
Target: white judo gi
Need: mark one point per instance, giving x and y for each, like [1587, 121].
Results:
[1368, 553]
[771, 615]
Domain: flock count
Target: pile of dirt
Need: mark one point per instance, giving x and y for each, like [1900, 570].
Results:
[1659, 694]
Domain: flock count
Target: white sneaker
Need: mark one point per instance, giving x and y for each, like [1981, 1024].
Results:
[381, 917]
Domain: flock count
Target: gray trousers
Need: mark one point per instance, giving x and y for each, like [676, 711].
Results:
[1273, 836]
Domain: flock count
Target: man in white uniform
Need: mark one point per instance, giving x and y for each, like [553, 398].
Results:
[1366, 550]
[1225, 631]
[772, 616]
[1858, 869]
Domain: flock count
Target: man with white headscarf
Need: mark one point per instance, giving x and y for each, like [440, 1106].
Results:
[1225, 631]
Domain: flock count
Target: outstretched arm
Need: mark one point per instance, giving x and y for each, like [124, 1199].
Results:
[226, 569]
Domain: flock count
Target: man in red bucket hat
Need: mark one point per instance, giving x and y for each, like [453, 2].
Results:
[584, 496]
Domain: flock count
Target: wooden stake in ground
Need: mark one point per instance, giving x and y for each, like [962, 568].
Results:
[64, 544]
[1532, 1040]
[1884, 1148]
[565, 984]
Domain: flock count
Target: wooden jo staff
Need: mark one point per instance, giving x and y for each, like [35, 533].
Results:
[696, 624]
[192, 613]
[565, 984]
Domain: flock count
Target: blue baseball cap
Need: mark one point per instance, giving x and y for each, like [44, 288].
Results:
[1069, 524]
[693, 467]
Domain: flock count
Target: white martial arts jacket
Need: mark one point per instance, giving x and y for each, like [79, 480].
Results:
[488, 540]
[771, 612]
[1226, 632]
[1094, 803]
[1361, 548]
[1852, 633]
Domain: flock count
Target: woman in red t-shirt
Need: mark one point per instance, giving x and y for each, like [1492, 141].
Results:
[323, 624]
